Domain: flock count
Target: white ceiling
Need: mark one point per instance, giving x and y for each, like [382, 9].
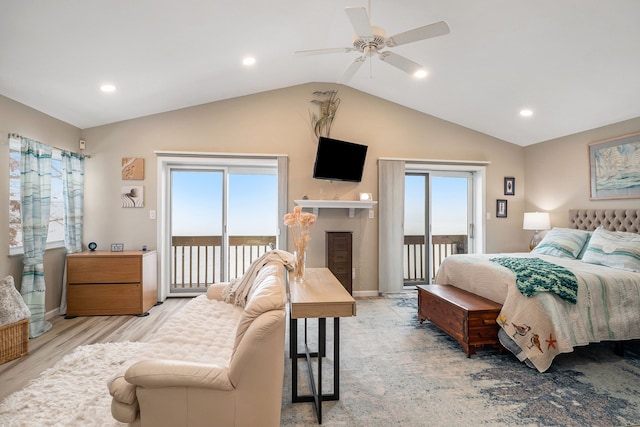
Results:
[575, 63]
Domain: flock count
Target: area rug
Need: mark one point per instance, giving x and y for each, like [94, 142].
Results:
[394, 371]
[71, 393]
[397, 371]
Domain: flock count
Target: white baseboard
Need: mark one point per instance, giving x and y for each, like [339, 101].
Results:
[363, 294]
[52, 313]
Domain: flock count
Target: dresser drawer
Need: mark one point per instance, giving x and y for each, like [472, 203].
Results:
[104, 299]
[104, 270]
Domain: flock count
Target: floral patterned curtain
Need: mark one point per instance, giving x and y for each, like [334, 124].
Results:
[35, 193]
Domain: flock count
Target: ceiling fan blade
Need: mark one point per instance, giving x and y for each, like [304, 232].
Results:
[360, 21]
[324, 51]
[352, 69]
[428, 31]
[406, 65]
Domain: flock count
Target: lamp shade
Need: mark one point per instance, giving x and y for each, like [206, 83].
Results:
[536, 221]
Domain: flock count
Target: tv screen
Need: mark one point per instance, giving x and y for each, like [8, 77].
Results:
[339, 160]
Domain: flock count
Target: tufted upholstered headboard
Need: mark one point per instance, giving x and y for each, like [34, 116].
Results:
[612, 219]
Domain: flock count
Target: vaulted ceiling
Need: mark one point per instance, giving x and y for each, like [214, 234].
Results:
[573, 63]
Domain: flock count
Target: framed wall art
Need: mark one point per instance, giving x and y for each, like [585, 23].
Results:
[132, 168]
[614, 167]
[132, 196]
[501, 208]
[509, 186]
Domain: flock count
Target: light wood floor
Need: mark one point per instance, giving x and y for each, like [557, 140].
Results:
[67, 334]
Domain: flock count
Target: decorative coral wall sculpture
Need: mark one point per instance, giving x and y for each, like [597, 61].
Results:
[328, 107]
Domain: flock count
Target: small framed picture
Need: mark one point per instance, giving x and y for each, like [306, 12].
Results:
[501, 208]
[509, 186]
[117, 247]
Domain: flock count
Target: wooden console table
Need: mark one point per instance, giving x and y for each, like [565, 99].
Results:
[319, 296]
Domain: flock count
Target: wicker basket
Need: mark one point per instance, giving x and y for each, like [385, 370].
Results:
[14, 340]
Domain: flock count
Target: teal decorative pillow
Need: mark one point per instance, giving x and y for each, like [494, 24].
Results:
[562, 242]
[614, 249]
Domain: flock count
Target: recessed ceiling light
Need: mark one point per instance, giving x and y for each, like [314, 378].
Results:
[526, 112]
[249, 60]
[421, 74]
[108, 87]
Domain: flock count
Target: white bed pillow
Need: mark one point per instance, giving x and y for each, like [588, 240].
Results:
[615, 249]
[562, 242]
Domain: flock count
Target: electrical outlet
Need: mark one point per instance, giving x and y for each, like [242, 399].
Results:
[152, 214]
[370, 213]
[353, 273]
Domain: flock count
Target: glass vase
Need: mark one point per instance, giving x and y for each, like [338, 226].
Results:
[301, 260]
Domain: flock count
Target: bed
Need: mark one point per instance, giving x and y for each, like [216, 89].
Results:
[600, 249]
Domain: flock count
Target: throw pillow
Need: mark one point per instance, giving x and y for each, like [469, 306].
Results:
[562, 242]
[615, 249]
[12, 306]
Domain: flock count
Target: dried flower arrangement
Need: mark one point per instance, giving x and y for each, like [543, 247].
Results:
[299, 223]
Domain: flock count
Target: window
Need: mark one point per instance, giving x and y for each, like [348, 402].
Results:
[55, 237]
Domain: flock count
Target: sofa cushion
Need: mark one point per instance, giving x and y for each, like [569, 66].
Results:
[267, 293]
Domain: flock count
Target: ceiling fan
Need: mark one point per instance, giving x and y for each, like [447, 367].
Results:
[372, 40]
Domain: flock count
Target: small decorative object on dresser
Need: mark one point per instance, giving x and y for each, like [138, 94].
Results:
[116, 247]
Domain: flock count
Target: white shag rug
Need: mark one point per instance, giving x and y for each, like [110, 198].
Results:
[72, 393]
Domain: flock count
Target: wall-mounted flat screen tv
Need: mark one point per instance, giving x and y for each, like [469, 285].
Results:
[339, 160]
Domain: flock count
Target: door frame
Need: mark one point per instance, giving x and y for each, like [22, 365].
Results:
[166, 160]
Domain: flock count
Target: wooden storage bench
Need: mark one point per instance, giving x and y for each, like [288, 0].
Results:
[469, 318]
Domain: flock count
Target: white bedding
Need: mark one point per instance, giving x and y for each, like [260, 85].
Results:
[607, 309]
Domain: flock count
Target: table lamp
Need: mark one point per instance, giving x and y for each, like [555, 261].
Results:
[536, 221]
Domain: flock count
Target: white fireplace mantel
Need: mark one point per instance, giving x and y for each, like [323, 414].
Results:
[352, 205]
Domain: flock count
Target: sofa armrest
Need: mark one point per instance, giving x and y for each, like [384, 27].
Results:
[159, 373]
[215, 291]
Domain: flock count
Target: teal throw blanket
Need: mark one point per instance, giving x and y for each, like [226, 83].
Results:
[534, 275]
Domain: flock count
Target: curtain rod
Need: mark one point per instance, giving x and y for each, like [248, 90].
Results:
[18, 136]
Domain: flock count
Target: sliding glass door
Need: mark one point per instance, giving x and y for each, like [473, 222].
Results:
[215, 220]
[438, 221]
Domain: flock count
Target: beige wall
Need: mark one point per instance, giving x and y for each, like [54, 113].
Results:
[17, 118]
[277, 122]
[557, 173]
[274, 122]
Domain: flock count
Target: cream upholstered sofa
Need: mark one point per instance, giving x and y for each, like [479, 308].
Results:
[212, 363]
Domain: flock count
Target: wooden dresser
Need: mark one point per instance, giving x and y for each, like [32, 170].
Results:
[340, 257]
[469, 318]
[107, 283]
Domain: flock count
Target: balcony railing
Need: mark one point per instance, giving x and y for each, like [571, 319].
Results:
[197, 263]
[441, 247]
[196, 260]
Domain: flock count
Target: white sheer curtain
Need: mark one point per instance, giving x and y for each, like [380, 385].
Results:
[391, 225]
[35, 202]
[73, 193]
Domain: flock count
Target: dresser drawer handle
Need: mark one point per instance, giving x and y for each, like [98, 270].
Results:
[488, 322]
